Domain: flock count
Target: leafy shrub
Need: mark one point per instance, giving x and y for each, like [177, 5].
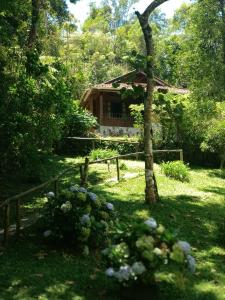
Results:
[79, 121]
[79, 217]
[147, 253]
[103, 153]
[176, 169]
[123, 167]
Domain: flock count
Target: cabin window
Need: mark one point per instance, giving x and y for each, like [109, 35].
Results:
[117, 110]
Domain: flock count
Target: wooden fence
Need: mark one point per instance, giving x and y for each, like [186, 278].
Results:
[84, 167]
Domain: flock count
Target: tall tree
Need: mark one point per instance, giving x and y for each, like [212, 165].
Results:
[151, 194]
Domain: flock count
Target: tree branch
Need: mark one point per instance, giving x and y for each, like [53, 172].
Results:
[152, 6]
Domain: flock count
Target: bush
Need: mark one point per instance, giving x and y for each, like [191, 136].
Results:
[176, 169]
[103, 153]
[147, 253]
[123, 167]
[79, 121]
[79, 217]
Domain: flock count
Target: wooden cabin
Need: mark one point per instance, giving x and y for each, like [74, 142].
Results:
[112, 112]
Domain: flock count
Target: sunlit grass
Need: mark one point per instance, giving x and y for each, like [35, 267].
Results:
[195, 210]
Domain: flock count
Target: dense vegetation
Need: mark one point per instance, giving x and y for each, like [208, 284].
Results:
[46, 63]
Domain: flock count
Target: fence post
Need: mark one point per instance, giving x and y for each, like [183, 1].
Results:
[84, 172]
[118, 169]
[181, 155]
[6, 225]
[136, 149]
[93, 144]
[56, 188]
[18, 218]
[108, 164]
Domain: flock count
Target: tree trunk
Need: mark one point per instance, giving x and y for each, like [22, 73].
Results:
[151, 191]
[34, 23]
[222, 9]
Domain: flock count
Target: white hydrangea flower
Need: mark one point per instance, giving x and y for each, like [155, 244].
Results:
[151, 223]
[184, 246]
[110, 206]
[85, 219]
[66, 207]
[110, 272]
[191, 263]
[93, 196]
[138, 268]
[157, 251]
[50, 195]
[82, 190]
[47, 233]
[74, 188]
[124, 273]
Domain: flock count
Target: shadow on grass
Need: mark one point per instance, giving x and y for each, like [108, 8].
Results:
[216, 190]
[217, 173]
[31, 270]
[191, 219]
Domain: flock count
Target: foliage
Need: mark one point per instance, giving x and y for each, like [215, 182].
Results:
[103, 153]
[200, 59]
[79, 218]
[176, 169]
[136, 112]
[35, 92]
[79, 122]
[214, 139]
[123, 166]
[191, 215]
[148, 253]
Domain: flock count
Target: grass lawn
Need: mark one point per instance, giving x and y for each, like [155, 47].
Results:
[32, 270]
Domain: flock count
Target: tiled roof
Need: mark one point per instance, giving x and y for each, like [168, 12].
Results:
[109, 87]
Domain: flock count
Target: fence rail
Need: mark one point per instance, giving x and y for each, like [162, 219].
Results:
[100, 140]
[84, 168]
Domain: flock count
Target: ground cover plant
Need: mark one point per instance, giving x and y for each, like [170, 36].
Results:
[176, 169]
[193, 210]
[103, 153]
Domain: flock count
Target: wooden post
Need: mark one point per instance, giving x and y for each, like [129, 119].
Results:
[18, 218]
[93, 144]
[56, 188]
[181, 155]
[101, 110]
[108, 164]
[6, 225]
[118, 169]
[136, 149]
[81, 174]
[84, 172]
[91, 105]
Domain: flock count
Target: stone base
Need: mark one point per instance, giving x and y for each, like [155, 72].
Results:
[118, 131]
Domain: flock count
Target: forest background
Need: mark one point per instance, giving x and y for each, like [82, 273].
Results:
[47, 62]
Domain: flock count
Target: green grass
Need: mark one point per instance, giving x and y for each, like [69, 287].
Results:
[32, 270]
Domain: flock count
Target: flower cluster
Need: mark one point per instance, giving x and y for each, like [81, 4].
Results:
[79, 217]
[127, 272]
[147, 251]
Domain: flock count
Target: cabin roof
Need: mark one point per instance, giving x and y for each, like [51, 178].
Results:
[127, 80]
[136, 76]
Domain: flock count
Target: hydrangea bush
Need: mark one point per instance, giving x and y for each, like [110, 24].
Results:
[80, 218]
[148, 253]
